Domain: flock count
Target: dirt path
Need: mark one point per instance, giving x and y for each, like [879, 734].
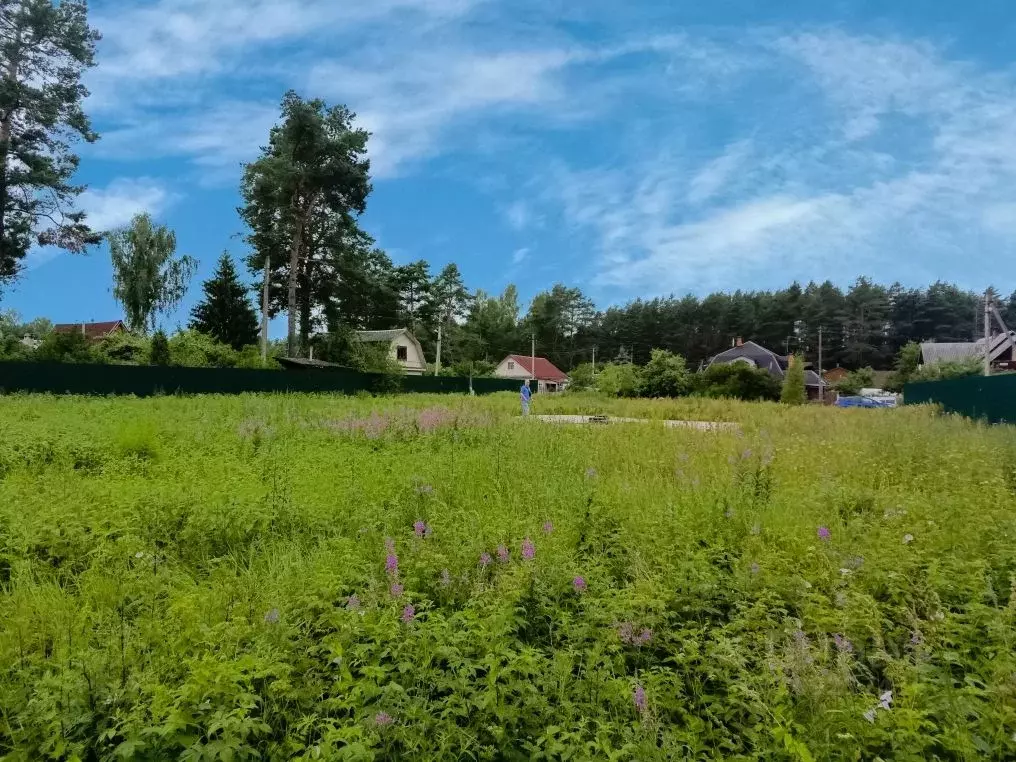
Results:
[700, 425]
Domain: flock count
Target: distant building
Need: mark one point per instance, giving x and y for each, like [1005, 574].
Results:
[403, 348]
[92, 331]
[1000, 351]
[835, 375]
[757, 356]
[547, 377]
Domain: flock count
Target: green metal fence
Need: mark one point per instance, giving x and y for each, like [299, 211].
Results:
[990, 398]
[146, 380]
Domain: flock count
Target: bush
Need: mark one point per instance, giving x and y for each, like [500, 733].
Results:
[907, 363]
[855, 380]
[737, 380]
[159, 352]
[794, 391]
[943, 371]
[196, 350]
[665, 375]
[73, 346]
[582, 378]
[618, 380]
[122, 349]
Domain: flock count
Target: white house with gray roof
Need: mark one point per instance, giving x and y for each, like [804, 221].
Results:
[402, 347]
[757, 356]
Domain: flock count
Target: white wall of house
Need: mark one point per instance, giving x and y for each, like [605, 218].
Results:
[511, 369]
[406, 352]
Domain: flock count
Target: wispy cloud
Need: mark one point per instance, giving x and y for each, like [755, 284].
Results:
[895, 161]
[519, 255]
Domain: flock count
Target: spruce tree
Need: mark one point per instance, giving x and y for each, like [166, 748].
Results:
[226, 312]
[794, 391]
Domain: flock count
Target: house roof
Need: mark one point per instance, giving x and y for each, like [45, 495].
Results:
[91, 330]
[951, 351]
[303, 363]
[545, 369]
[388, 335]
[762, 357]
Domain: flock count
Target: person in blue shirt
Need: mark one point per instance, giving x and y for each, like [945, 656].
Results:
[527, 395]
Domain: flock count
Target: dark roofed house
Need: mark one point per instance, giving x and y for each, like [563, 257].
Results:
[92, 331]
[758, 356]
[547, 375]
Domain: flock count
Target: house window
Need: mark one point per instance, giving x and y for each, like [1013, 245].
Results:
[511, 365]
[401, 353]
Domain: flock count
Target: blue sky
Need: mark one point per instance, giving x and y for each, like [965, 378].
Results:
[631, 149]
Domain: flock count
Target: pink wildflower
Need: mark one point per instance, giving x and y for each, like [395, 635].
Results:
[408, 613]
[579, 583]
[823, 534]
[528, 549]
[640, 698]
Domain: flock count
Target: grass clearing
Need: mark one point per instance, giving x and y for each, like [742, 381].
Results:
[205, 578]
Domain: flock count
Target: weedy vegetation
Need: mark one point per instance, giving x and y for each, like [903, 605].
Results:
[313, 577]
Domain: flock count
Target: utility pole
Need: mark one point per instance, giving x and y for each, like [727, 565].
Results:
[264, 311]
[437, 360]
[821, 381]
[987, 332]
[594, 361]
[532, 368]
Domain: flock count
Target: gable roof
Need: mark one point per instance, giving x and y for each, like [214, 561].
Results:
[545, 369]
[387, 335]
[91, 330]
[951, 351]
[763, 358]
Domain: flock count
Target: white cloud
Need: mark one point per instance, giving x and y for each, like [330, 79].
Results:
[894, 161]
[519, 255]
[519, 215]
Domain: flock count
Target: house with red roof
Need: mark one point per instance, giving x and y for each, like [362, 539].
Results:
[92, 331]
[544, 375]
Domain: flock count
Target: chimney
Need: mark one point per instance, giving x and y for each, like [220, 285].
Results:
[739, 342]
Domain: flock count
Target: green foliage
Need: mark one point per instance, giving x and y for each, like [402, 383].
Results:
[176, 579]
[907, 363]
[582, 378]
[196, 350]
[147, 279]
[122, 348]
[665, 375]
[942, 371]
[45, 47]
[618, 380]
[159, 352]
[737, 380]
[794, 391]
[855, 380]
[226, 313]
[72, 346]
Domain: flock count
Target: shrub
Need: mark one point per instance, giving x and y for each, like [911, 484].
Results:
[582, 378]
[618, 380]
[122, 349]
[159, 352]
[855, 380]
[73, 346]
[737, 380]
[907, 363]
[943, 371]
[665, 375]
[794, 391]
[196, 350]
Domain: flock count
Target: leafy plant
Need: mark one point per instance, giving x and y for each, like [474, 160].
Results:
[665, 375]
[794, 391]
[737, 380]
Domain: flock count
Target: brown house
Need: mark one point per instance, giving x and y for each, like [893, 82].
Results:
[835, 375]
[92, 331]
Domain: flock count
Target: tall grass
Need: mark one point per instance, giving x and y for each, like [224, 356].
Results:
[206, 579]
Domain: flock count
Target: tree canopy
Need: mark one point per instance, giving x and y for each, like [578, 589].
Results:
[226, 312]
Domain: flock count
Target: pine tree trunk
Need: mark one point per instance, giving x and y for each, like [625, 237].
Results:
[294, 277]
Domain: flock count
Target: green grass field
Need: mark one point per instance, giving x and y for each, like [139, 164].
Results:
[208, 579]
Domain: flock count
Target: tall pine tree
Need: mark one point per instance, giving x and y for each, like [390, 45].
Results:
[226, 312]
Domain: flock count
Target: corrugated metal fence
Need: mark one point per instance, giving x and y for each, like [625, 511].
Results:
[990, 398]
[147, 380]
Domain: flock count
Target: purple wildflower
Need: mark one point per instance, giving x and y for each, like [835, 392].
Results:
[383, 719]
[916, 638]
[755, 568]
[548, 527]
[408, 613]
[485, 559]
[502, 554]
[528, 549]
[446, 578]
[389, 544]
[396, 589]
[843, 644]
[645, 636]
[746, 454]
[353, 602]
[590, 473]
[626, 631]
[907, 539]
[421, 529]
[272, 616]
[640, 698]
[579, 583]
[392, 565]
[824, 534]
